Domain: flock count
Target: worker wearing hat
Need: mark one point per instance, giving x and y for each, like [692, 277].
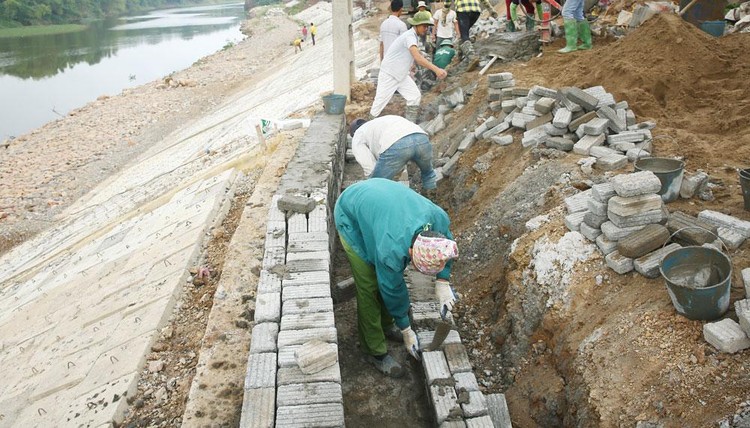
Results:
[446, 24]
[384, 227]
[397, 62]
[444, 54]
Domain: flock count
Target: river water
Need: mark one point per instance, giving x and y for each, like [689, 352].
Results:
[44, 77]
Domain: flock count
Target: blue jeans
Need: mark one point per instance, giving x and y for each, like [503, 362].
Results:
[573, 9]
[414, 147]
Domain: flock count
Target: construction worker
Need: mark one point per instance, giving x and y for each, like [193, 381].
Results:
[297, 43]
[446, 25]
[444, 55]
[394, 70]
[576, 26]
[392, 27]
[511, 13]
[383, 146]
[468, 12]
[313, 32]
[383, 227]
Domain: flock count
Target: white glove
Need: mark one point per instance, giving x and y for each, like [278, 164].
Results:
[446, 297]
[411, 343]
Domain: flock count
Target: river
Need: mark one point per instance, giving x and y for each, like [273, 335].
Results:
[42, 78]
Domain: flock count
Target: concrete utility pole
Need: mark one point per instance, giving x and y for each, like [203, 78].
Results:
[343, 47]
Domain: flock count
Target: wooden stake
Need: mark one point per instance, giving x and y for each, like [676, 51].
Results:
[486, 67]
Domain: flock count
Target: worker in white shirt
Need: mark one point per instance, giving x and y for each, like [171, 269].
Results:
[384, 145]
[397, 62]
[392, 27]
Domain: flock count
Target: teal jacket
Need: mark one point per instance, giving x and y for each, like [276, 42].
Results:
[378, 219]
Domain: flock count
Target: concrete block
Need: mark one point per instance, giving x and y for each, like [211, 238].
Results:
[630, 117]
[580, 97]
[258, 408]
[584, 145]
[628, 206]
[502, 140]
[457, 358]
[273, 256]
[554, 131]
[296, 204]
[501, 127]
[293, 375]
[636, 153]
[530, 110]
[746, 281]
[467, 142]
[316, 304]
[261, 371]
[498, 409]
[533, 137]
[520, 92]
[623, 147]
[691, 230]
[692, 183]
[480, 422]
[614, 233]
[268, 308]
[619, 263]
[309, 393]
[435, 367]
[626, 137]
[579, 133]
[636, 184]
[562, 118]
[611, 162]
[496, 106]
[263, 338]
[444, 401]
[722, 220]
[591, 233]
[306, 320]
[520, 120]
[726, 336]
[640, 219]
[644, 241]
[316, 355]
[309, 255]
[309, 265]
[577, 122]
[499, 77]
[508, 106]
[742, 309]
[614, 121]
[731, 238]
[577, 202]
[573, 221]
[544, 105]
[466, 381]
[344, 290]
[543, 92]
[502, 84]
[602, 192]
[648, 265]
[559, 143]
[308, 291]
[605, 245]
[597, 208]
[477, 405]
[453, 424]
[311, 415]
[539, 121]
[594, 220]
[425, 338]
[602, 151]
[299, 337]
[450, 166]
[595, 126]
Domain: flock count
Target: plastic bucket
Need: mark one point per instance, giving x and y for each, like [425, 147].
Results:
[745, 184]
[698, 281]
[334, 103]
[714, 28]
[669, 171]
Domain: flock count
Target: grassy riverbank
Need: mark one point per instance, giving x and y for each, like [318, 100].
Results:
[40, 30]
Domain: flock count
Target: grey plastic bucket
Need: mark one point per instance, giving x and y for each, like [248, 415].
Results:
[669, 171]
[745, 184]
[698, 281]
[334, 103]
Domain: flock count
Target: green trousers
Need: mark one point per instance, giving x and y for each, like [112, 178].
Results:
[372, 316]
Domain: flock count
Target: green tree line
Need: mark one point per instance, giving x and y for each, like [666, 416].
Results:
[15, 13]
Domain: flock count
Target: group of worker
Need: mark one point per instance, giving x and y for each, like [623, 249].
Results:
[385, 226]
[297, 42]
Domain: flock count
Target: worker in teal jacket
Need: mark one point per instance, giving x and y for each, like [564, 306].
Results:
[383, 227]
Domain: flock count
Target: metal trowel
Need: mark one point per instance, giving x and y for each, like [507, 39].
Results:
[441, 332]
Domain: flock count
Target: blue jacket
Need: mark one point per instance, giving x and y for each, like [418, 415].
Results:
[378, 218]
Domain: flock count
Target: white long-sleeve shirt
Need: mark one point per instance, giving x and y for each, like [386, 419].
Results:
[377, 136]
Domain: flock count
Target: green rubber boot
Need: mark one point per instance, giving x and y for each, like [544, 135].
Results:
[513, 15]
[510, 26]
[584, 31]
[539, 13]
[571, 36]
[530, 24]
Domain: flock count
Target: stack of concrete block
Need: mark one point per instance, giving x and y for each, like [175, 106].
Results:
[731, 230]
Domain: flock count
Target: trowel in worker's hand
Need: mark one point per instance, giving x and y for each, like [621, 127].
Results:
[442, 328]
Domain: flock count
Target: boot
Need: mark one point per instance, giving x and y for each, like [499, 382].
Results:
[571, 36]
[530, 24]
[412, 113]
[514, 13]
[584, 31]
[467, 49]
[510, 26]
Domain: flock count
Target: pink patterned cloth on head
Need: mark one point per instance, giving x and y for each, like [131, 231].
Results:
[430, 254]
